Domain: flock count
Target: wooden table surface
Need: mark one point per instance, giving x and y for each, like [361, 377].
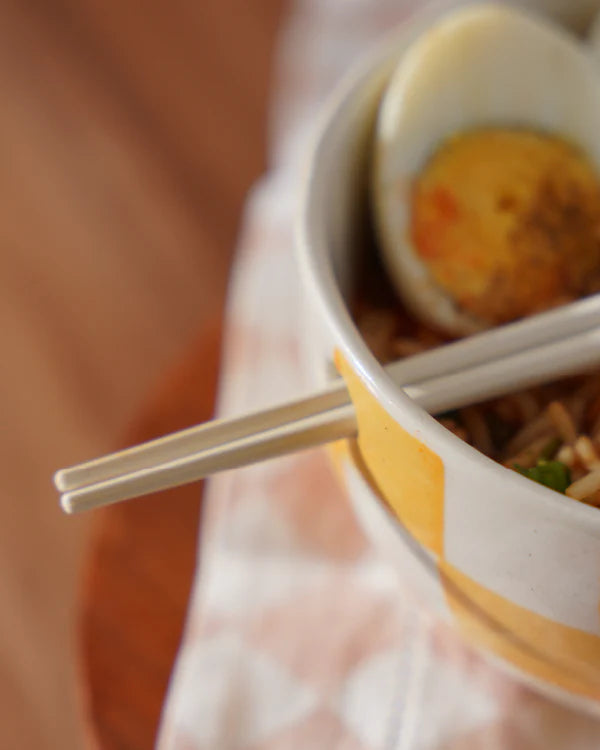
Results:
[129, 135]
[141, 555]
[138, 572]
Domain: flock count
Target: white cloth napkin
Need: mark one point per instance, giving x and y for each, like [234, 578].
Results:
[298, 635]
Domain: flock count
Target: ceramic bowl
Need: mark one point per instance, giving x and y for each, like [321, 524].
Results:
[515, 567]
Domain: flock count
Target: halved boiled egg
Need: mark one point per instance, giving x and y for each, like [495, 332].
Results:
[485, 185]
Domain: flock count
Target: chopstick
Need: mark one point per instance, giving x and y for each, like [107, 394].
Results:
[468, 378]
[331, 425]
[544, 328]
[193, 439]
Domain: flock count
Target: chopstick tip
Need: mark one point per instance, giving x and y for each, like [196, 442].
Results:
[60, 480]
[66, 503]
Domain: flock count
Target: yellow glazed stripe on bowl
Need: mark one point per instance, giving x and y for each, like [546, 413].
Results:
[410, 477]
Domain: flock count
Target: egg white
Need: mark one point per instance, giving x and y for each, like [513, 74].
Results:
[483, 65]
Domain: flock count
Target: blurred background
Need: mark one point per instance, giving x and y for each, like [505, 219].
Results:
[129, 135]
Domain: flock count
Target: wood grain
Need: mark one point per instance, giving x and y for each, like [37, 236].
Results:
[138, 574]
[129, 135]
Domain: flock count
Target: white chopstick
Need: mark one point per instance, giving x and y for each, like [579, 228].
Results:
[555, 359]
[326, 427]
[549, 326]
[197, 438]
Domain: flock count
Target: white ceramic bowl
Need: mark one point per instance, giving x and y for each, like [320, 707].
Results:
[513, 565]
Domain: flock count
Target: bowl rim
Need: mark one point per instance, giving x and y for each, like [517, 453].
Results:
[319, 280]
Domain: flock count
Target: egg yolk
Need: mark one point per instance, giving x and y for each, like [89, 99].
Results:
[508, 222]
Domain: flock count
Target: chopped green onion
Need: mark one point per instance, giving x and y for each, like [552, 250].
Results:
[553, 474]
